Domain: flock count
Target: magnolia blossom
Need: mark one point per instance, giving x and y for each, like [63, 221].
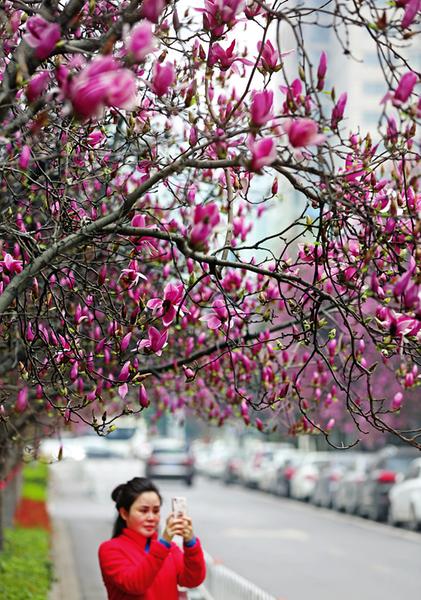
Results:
[102, 83]
[168, 307]
[219, 13]
[42, 36]
[263, 153]
[412, 8]
[224, 58]
[321, 71]
[141, 41]
[22, 400]
[303, 132]
[261, 107]
[405, 88]
[163, 78]
[156, 341]
[37, 85]
[206, 218]
[217, 316]
[338, 110]
[24, 157]
[151, 9]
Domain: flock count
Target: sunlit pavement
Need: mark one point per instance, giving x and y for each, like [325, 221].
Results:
[292, 550]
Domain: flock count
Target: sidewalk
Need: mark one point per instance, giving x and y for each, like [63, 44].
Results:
[66, 582]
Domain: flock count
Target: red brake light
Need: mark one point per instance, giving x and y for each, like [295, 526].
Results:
[189, 461]
[334, 477]
[152, 460]
[289, 472]
[386, 477]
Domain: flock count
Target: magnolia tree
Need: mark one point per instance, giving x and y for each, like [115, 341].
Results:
[144, 145]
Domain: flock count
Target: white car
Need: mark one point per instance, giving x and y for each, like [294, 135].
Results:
[269, 470]
[304, 479]
[405, 498]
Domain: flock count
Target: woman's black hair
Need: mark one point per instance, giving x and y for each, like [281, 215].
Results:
[126, 493]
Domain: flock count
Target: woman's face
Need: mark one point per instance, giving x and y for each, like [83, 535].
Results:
[144, 514]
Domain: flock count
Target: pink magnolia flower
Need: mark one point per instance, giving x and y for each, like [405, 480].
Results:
[338, 110]
[24, 157]
[163, 78]
[37, 85]
[156, 341]
[261, 107]
[397, 401]
[224, 58]
[131, 276]
[263, 153]
[41, 35]
[102, 83]
[141, 41]
[95, 137]
[206, 218]
[403, 281]
[217, 316]
[219, 13]
[303, 132]
[143, 397]
[269, 57]
[10, 264]
[252, 9]
[22, 400]
[168, 307]
[151, 9]
[321, 71]
[125, 371]
[405, 88]
[412, 8]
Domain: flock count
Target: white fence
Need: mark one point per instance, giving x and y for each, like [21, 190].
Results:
[223, 584]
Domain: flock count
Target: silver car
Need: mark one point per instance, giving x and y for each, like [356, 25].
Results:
[170, 459]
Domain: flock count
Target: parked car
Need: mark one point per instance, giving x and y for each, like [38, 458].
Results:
[268, 480]
[304, 479]
[233, 466]
[346, 498]
[285, 473]
[170, 459]
[252, 467]
[388, 468]
[405, 498]
[330, 476]
[129, 438]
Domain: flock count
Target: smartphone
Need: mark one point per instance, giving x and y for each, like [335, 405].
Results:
[179, 506]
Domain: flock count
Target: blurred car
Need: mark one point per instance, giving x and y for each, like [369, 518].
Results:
[405, 498]
[217, 455]
[128, 439]
[346, 498]
[170, 459]
[305, 477]
[285, 473]
[330, 476]
[255, 457]
[233, 467]
[268, 481]
[388, 468]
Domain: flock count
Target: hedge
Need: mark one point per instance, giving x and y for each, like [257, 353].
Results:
[25, 567]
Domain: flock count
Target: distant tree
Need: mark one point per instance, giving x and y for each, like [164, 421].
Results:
[142, 144]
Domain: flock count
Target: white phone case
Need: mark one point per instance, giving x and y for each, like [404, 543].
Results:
[179, 506]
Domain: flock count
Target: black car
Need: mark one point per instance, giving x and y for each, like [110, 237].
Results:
[390, 465]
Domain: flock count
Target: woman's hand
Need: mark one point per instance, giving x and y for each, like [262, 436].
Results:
[187, 534]
[174, 526]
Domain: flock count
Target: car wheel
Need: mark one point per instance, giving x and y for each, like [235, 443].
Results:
[189, 481]
[414, 524]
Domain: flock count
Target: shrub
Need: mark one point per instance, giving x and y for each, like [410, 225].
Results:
[25, 568]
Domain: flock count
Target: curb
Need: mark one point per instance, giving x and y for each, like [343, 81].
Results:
[65, 582]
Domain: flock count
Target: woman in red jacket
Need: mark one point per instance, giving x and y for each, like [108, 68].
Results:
[137, 564]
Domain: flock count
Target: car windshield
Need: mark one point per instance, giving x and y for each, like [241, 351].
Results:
[123, 433]
[169, 450]
[398, 463]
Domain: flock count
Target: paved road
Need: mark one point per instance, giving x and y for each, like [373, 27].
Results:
[292, 550]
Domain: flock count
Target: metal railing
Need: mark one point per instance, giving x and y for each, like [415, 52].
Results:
[223, 584]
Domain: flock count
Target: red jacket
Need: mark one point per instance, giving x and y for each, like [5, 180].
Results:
[133, 571]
